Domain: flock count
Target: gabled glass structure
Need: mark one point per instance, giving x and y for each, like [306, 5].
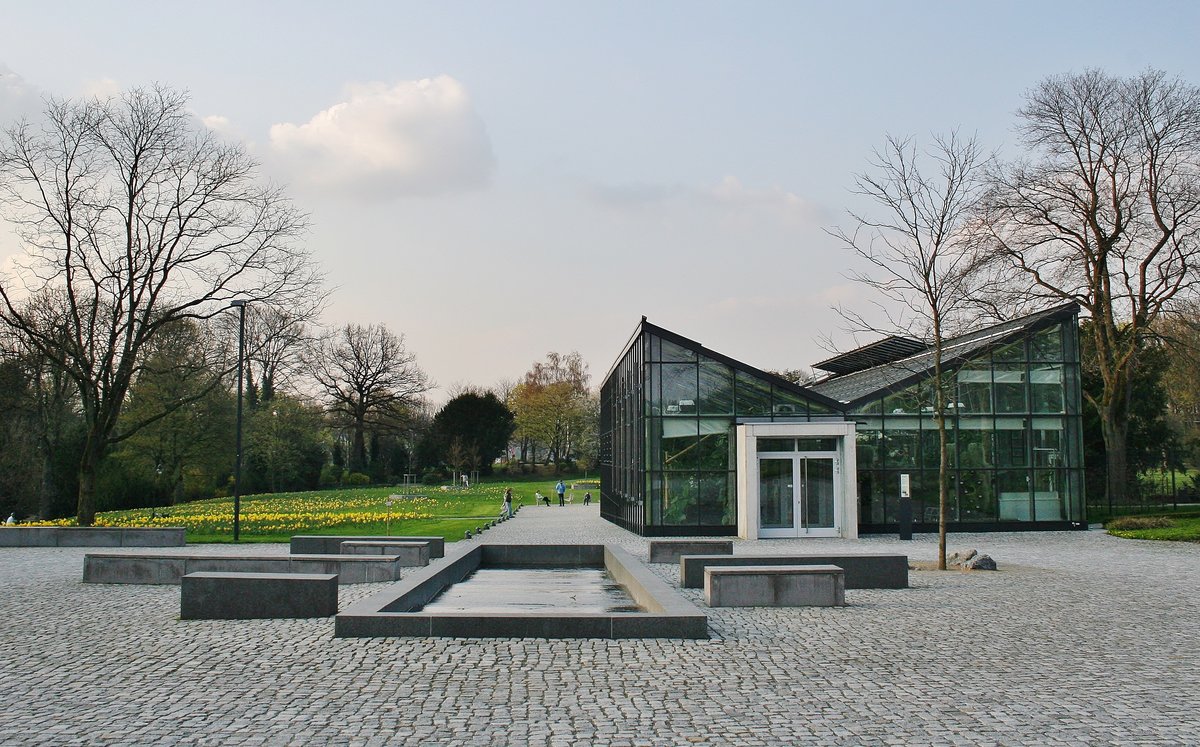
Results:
[1014, 427]
[668, 412]
[694, 443]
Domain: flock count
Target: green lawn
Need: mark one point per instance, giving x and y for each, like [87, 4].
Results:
[1181, 527]
[429, 510]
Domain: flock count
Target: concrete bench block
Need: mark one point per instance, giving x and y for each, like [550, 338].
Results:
[669, 551]
[133, 569]
[350, 569]
[91, 537]
[247, 596]
[863, 570]
[775, 586]
[128, 568]
[410, 554]
[327, 544]
[28, 536]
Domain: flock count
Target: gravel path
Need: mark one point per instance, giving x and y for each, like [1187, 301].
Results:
[1079, 639]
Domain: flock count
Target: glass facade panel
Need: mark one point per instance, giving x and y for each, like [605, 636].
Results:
[1012, 352]
[901, 438]
[910, 401]
[753, 396]
[816, 444]
[776, 444]
[717, 499]
[871, 509]
[674, 352]
[680, 444]
[975, 389]
[1012, 446]
[930, 449]
[1013, 488]
[788, 404]
[716, 388]
[869, 443]
[679, 388]
[680, 499]
[1010, 388]
[1046, 388]
[976, 495]
[1047, 345]
[715, 449]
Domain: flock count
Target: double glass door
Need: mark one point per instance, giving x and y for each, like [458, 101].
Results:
[797, 495]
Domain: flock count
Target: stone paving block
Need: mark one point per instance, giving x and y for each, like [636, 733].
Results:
[1079, 639]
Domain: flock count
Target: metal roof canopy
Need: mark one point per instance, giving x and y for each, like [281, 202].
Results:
[877, 353]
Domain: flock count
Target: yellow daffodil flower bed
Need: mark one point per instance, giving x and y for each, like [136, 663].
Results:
[280, 515]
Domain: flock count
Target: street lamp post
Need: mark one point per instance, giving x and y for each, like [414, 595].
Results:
[240, 305]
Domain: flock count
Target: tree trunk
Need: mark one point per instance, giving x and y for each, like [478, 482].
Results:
[358, 448]
[943, 448]
[86, 509]
[1116, 436]
[49, 492]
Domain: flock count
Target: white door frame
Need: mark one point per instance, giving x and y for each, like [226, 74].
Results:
[845, 472]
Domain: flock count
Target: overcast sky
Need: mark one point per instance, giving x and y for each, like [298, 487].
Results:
[499, 180]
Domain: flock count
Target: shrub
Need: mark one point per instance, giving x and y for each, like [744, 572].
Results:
[357, 478]
[331, 475]
[1139, 522]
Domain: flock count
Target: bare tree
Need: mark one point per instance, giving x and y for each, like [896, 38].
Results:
[370, 381]
[140, 218]
[276, 339]
[921, 262]
[1105, 212]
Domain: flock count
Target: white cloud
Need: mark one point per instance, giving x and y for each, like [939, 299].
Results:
[101, 88]
[17, 97]
[216, 122]
[415, 137]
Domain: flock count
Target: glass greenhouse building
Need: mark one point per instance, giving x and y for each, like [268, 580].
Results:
[693, 442]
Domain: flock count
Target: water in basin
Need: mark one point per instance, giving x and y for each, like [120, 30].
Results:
[561, 590]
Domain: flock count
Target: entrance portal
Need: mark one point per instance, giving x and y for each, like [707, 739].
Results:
[798, 495]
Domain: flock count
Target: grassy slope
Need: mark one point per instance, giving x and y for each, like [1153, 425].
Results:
[437, 510]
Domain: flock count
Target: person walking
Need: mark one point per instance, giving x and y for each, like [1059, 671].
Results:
[508, 503]
[561, 489]
[587, 498]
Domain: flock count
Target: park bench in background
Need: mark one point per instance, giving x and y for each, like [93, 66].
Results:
[863, 570]
[246, 596]
[321, 544]
[774, 586]
[669, 551]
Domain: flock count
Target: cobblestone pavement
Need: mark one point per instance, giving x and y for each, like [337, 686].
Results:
[1079, 639]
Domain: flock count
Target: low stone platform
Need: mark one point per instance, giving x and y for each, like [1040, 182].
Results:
[863, 570]
[669, 551]
[250, 596]
[775, 586]
[329, 544]
[91, 536]
[126, 568]
[410, 554]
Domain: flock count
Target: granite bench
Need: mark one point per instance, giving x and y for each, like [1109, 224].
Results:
[863, 570]
[774, 586]
[410, 554]
[247, 596]
[129, 568]
[320, 544]
[91, 536]
[669, 551]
